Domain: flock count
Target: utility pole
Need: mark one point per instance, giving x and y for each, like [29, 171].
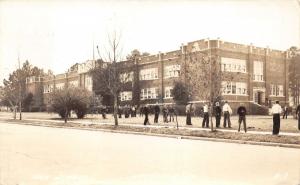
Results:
[20, 90]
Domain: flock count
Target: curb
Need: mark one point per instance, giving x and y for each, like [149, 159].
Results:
[161, 135]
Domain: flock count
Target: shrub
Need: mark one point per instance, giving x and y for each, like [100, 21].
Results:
[68, 99]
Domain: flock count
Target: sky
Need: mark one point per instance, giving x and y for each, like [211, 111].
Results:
[57, 34]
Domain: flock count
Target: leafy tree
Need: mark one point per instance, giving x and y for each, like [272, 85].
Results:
[180, 93]
[68, 99]
[15, 86]
[294, 74]
[27, 101]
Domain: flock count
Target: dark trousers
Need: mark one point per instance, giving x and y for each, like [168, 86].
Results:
[227, 119]
[218, 120]
[299, 121]
[188, 119]
[276, 124]
[172, 117]
[156, 118]
[205, 121]
[146, 121]
[285, 113]
[165, 115]
[242, 119]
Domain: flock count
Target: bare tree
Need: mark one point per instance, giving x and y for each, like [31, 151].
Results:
[203, 78]
[110, 77]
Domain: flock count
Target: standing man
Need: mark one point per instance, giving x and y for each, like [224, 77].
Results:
[298, 115]
[156, 112]
[120, 111]
[146, 112]
[188, 111]
[165, 113]
[285, 112]
[218, 112]
[242, 117]
[171, 112]
[276, 111]
[205, 121]
[227, 111]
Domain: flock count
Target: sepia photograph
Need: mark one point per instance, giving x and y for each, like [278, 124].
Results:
[150, 92]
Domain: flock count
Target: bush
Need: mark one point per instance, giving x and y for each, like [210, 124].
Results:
[66, 100]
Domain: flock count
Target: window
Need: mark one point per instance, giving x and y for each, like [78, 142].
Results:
[168, 92]
[149, 93]
[126, 77]
[233, 65]
[149, 74]
[60, 86]
[276, 90]
[74, 83]
[126, 96]
[258, 71]
[171, 71]
[234, 88]
[89, 83]
[48, 88]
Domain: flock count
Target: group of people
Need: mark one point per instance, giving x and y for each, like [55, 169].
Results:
[226, 110]
[241, 112]
[167, 111]
[169, 114]
[127, 111]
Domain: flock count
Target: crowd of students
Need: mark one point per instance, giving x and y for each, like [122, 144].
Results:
[170, 113]
[241, 112]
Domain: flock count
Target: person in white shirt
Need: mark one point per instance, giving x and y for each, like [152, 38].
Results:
[226, 111]
[276, 111]
[205, 121]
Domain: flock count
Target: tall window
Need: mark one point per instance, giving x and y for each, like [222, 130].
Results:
[234, 88]
[149, 74]
[168, 92]
[149, 93]
[60, 86]
[276, 90]
[74, 83]
[126, 95]
[233, 65]
[258, 71]
[48, 88]
[172, 71]
[89, 83]
[126, 77]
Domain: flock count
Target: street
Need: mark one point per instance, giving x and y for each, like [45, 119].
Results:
[31, 155]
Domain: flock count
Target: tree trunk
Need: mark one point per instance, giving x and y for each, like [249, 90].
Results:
[15, 113]
[66, 115]
[116, 109]
[211, 118]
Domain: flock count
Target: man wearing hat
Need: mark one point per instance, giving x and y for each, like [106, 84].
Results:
[276, 111]
[218, 112]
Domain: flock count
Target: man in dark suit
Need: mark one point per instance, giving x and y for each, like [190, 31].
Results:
[146, 112]
[298, 115]
[156, 113]
[218, 112]
[241, 111]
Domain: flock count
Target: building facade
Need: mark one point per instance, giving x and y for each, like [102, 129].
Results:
[260, 75]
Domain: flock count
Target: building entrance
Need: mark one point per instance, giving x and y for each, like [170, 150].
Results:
[259, 96]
